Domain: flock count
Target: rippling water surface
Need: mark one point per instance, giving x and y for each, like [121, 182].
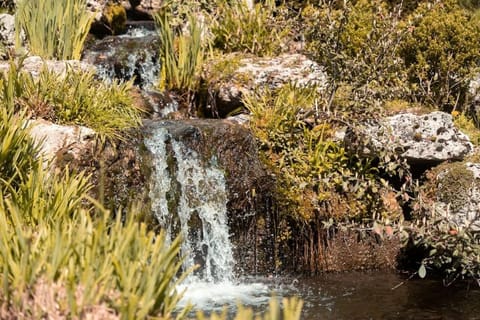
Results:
[348, 296]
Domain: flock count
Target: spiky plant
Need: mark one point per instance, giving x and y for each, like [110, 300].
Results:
[54, 29]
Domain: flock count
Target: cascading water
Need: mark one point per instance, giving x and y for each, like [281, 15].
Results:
[189, 197]
[201, 211]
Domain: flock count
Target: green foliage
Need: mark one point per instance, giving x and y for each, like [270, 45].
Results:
[358, 43]
[75, 97]
[57, 260]
[318, 175]
[465, 124]
[17, 151]
[441, 53]
[181, 54]
[452, 250]
[54, 29]
[260, 30]
[291, 310]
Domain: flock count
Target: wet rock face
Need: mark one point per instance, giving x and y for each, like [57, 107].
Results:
[249, 187]
[453, 191]
[242, 75]
[429, 138]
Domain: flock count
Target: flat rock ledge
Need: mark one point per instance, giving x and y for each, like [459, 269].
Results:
[428, 138]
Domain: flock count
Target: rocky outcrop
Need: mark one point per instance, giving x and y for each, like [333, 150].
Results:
[229, 79]
[428, 138]
[452, 191]
[110, 17]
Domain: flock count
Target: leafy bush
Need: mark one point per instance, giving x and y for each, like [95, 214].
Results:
[54, 29]
[76, 97]
[441, 53]
[319, 176]
[260, 30]
[358, 43]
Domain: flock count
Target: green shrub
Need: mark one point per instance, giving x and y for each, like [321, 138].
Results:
[54, 29]
[358, 43]
[260, 30]
[76, 97]
[441, 53]
[318, 176]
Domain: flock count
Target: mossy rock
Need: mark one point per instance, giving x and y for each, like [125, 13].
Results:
[115, 17]
[453, 191]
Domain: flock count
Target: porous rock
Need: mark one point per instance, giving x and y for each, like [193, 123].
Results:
[455, 189]
[428, 138]
[35, 64]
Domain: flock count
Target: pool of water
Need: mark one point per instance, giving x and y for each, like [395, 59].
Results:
[348, 296]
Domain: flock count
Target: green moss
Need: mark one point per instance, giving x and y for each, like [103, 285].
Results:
[115, 17]
[453, 184]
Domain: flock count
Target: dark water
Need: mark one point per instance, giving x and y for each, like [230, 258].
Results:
[371, 296]
[346, 296]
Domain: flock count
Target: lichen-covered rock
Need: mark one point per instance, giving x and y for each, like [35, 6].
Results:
[428, 138]
[228, 80]
[7, 30]
[452, 190]
[35, 64]
[71, 141]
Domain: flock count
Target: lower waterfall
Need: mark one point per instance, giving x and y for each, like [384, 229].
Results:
[189, 197]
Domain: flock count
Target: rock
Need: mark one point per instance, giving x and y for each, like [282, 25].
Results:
[35, 64]
[70, 141]
[229, 79]
[455, 188]
[144, 9]
[7, 31]
[428, 138]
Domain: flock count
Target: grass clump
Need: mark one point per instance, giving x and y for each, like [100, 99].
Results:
[259, 30]
[76, 97]
[63, 255]
[182, 53]
[54, 29]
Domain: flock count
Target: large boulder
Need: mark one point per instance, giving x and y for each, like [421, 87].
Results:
[429, 138]
[228, 79]
[110, 17]
[452, 192]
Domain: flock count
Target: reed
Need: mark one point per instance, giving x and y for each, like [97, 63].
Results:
[54, 29]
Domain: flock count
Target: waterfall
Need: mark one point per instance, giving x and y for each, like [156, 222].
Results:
[189, 196]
